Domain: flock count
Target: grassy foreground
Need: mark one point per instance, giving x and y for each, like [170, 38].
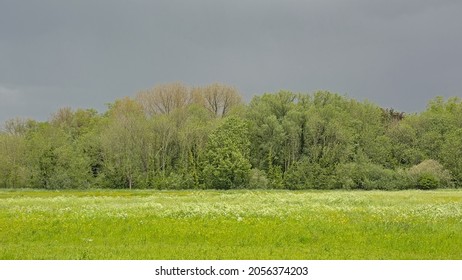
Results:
[103, 224]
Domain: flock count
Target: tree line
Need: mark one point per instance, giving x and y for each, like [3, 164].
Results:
[178, 137]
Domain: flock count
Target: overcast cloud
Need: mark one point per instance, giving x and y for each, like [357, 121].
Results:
[87, 53]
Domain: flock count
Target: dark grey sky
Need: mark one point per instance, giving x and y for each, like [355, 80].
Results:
[396, 53]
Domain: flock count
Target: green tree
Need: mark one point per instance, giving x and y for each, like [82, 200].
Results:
[193, 137]
[13, 171]
[452, 155]
[125, 144]
[226, 163]
[55, 160]
[274, 132]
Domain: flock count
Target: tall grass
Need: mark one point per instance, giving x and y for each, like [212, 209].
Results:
[109, 224]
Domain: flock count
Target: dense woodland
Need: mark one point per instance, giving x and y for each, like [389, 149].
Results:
[178, 137]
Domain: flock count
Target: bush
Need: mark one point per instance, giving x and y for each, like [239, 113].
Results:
[368, 176]
[429, 174]
[307, 175]
[258, 179]
[171, 181]
[427, 182]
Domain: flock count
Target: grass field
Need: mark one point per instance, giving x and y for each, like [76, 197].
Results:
[109, 224]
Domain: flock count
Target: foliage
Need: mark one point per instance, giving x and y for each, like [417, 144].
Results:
[452, 154]
[308, 175]
[430, 174]
[226, 163]
[56, 160]
[124, 144]
[258, 179]
[368, 176]
[427, 181]
[178, 137]
[13, 172]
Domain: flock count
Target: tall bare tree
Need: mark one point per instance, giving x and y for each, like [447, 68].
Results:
[165, 98]
[18, 126]
[217, 98]
[63, 117]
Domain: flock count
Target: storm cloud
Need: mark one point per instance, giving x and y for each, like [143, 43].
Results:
[87, 53]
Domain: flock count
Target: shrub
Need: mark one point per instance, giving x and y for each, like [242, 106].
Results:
[308, 175]
[429, 174]
[170, 181]
[258, 179]
[368, 176]
[427, 182]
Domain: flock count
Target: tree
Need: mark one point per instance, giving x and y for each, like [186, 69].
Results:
[452, 155]
[193, 137]
[125, 143]
[226, 163]
[165, 136]
[55, 160]
[175, 136]
[164, 99]
[13, 171]
[217, 98]
[274, 132]
[75, 123]
[18, 126]
[404, 147]
[329, 142]
[13, 152]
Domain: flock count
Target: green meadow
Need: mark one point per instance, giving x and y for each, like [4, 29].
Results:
[122, 224]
